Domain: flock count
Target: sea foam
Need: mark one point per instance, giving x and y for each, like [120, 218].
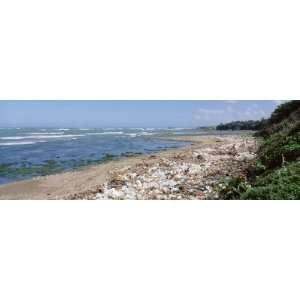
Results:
[106, 133]
[40, 137]
[19, 143]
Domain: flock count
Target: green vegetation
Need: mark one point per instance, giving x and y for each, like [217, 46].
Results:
[283, 183]
[49, 167]
[4, 168]
[233, 188]
[243, 125]
[276, 173]
[108, 157]
[284, 117]
[26, 169]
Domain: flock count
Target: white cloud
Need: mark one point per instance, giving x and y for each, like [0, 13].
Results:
[228, 114]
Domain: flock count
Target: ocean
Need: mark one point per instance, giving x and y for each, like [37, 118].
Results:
[29, 152]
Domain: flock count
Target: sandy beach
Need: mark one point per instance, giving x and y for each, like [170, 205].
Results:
[184, 173]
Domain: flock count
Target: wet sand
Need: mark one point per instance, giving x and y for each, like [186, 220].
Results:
[77, 184]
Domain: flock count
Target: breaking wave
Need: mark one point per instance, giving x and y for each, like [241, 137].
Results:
[40, 137]
[19, 143]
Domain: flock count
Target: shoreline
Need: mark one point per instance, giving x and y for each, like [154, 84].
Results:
[88, 182]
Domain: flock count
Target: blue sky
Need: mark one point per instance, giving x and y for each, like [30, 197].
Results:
[130, 113]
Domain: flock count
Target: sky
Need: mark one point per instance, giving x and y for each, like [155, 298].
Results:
[85, 113]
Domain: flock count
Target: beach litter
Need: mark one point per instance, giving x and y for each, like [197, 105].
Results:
[188, 175]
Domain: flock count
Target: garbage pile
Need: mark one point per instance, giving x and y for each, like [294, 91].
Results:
[190, 174]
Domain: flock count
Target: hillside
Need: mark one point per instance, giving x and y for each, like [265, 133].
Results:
[276, 172]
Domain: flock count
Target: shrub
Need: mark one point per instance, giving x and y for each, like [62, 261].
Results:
[233, 188]
[284, 183]
[283, 111]
[284, 117]
[276, 174]
[278, 149]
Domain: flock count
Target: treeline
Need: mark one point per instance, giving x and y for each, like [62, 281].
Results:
[243, 125]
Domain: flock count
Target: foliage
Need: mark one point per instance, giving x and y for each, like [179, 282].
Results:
[276, 173]
[278, 149]
[233, 188]
[284, 183]
[243, 125]
[285, 117]
[283, 111]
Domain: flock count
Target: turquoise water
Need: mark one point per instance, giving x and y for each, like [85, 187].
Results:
[30, 152]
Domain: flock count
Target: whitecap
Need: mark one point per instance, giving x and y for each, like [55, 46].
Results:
[137, 128]
[40, 137]
[48, 133]
[132, 134]
[112, 128]
[179, 133]
[18, 143]
[14, 138]
[106, 133]
[55, 136]
[146, 133]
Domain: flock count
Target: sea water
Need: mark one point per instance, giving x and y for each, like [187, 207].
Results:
[30, 152]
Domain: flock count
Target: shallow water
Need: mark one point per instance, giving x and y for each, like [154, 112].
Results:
[29, 152]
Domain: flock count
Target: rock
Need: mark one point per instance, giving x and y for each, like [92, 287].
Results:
[198, 156]
[199, 194]
[245, 157]
[99, 189]
[116, 182]
[188, 175]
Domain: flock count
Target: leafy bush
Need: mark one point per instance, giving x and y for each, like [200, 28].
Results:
[233, 188]
[284, 117]
[284, 183]
[276, 174]
[283, 111]
[278, 149]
